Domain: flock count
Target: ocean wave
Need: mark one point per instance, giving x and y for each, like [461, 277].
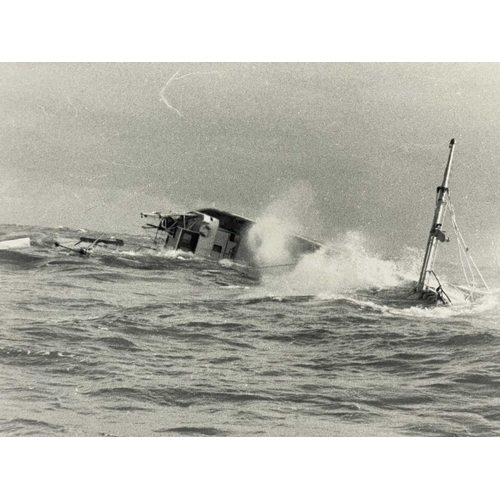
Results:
[139, 342]
[29, 427]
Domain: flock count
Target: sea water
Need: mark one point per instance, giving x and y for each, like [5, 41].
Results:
[137, 342]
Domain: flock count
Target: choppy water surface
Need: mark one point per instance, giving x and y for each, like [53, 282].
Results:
[141, 343]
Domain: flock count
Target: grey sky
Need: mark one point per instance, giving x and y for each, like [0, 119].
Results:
[357, 146]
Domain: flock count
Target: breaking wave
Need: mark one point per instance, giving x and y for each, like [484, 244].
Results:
[346, 270]
[343, 266]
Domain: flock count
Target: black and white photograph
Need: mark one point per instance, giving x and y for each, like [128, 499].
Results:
[195, 248]
[240, 249]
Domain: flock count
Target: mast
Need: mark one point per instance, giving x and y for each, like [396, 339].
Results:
[436, 234]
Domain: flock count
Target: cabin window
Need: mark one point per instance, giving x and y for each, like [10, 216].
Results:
[188, 241]
[217, 248]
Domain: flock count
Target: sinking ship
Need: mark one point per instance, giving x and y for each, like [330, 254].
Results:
[216, 234]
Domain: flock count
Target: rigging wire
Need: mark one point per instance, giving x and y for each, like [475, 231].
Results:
[465, 256]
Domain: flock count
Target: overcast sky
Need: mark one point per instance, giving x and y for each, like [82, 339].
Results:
[340, 145]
